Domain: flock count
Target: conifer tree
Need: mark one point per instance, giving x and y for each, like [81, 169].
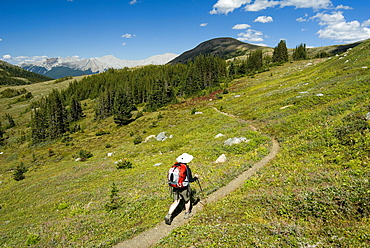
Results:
[232, 69]
[39, 125]
[19, 172]
[122, 108]
[75, 110]
[254, 62]
[280, 54]
[104, 108]
[1, 134]
[57, 116]
[10, 120]
[300, 52]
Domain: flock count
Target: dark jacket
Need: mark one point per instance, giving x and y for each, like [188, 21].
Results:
[190, 175]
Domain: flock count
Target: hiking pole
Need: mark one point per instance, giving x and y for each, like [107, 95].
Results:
[199, 185]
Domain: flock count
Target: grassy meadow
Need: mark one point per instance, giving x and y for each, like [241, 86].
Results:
[62, 203]
[315, 193]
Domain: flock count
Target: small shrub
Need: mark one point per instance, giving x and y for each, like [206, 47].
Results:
[101, 132]
[19, 172]
[66, 139]
[154, 124]
[83, 154]
[125, 164]
[32, 239]
[62, 206]
[114, 201]
[218, 96]
[138, 140]
[51, 152]
[108, 146]
[193, 111]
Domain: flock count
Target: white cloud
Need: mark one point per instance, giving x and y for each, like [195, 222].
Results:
[226, 6]
[22, 59]
[264, 19]
[366, 23]
[343, 7]
[251, 36]
[133, 2]
[314, 4]
[241, 26]
[1, 39]
[128, 36]
[260, 44]
[203, 24]
[303, 19]
[261, 5]
[124, 44]
[335, 27]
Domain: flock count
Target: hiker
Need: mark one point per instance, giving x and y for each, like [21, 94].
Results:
[180, 177]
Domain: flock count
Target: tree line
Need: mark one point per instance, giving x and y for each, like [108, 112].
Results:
[118, 92]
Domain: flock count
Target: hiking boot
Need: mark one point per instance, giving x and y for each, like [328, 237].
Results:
[188, 215]
[168, 219]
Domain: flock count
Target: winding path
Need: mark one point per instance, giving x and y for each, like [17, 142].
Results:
[153, 235]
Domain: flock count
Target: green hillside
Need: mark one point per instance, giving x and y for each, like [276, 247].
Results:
[14, 75]
[315, 193]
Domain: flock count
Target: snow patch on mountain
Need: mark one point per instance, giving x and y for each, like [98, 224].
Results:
[98, 64]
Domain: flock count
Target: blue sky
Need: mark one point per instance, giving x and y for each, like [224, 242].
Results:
[138, 29]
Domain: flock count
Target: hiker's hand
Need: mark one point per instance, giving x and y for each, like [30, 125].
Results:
[196, 176]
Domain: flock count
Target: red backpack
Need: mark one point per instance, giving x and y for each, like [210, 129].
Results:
[177, 176]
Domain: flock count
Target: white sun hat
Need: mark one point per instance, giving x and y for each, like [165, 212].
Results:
[184, 158]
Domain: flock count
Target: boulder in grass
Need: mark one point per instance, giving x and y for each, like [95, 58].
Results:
[161, 136]
[219, 135]
[236, 140]
[221, 159]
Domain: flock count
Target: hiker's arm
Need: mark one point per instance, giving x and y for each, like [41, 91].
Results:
[190, 176]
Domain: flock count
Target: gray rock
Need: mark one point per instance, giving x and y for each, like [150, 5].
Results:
[235, 141]
[161, 136]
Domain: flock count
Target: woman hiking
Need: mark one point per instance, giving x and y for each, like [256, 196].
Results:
[180, 177]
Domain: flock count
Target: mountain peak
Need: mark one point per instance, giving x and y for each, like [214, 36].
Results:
[224, 47]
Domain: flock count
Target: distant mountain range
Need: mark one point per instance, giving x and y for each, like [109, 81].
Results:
[73, 66]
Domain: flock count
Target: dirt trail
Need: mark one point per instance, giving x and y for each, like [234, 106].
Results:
[152, 236]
